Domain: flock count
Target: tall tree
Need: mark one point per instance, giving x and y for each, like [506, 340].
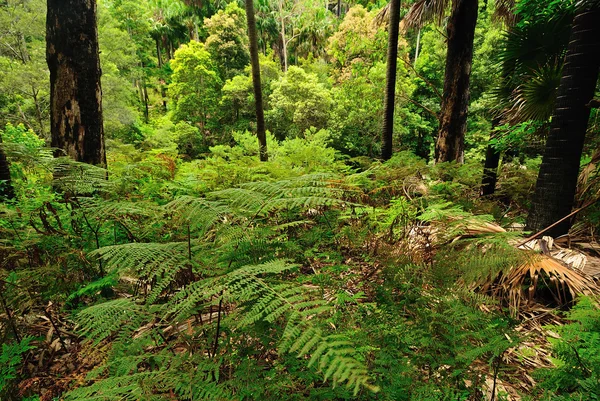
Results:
[455, 103]
[75, 91]
[258, 100]
[557, 179]
[460, 33]
[390, 79]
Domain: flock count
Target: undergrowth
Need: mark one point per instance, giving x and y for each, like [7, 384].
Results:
[228, 279]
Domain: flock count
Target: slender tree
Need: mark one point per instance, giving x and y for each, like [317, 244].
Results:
[75, 92]
[390, 80]
[6, 189]
[557, 179]
[258, 101]
[455, 102]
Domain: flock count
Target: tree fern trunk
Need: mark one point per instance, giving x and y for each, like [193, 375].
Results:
[258, 101]
[455, 103]
[557, 179]
[390, 81]
[75, 92]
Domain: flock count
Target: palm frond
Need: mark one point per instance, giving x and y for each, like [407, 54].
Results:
[424, 11]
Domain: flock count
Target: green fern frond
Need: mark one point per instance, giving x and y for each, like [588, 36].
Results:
[103, 320]
[197, 212]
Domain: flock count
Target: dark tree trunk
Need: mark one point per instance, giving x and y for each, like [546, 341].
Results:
[557, 179]
[158, 55]
[6, 189]
[390, 81]
[75, 92]
[260, 115]
[455, 103]
[490, 171]
[490, 166]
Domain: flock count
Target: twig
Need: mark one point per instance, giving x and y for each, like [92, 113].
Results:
[573, 213]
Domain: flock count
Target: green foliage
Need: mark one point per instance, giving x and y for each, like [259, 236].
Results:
[577, 372]
[298, 102]
[195, 84]
[227, 40]
[11, 359]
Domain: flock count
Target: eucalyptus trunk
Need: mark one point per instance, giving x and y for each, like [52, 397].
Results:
[6, 189]
[557, 179]
[455, 100]
[390, 81]
[258, 100]
[75, 91]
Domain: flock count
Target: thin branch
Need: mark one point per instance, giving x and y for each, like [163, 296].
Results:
[437, 92]
[416, 103]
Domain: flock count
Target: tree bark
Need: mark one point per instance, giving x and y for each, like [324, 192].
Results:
[75, 91]
[390, 81]
[6, 189]
[455, 103]
[258, 100]
[557, 179]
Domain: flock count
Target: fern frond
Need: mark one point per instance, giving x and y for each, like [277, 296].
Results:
[103, 320]
[197, 212]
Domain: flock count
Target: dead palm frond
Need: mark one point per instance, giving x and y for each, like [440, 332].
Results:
[505, 12]
[420, 13]
[424, 11]
[541, 279]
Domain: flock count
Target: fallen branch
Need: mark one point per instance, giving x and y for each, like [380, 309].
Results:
[573, 213]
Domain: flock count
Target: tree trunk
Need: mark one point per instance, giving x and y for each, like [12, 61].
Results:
[390, 80]
[158, 56]
[455, 103]
[75, 92]
[490, 166]
[417, 48]
[258, 101]
[6, 189]
[283, 41]
[557, 179]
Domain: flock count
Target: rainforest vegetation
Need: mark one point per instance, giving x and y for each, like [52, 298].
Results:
[299, 200]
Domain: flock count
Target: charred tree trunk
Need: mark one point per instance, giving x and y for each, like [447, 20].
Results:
[390, 81]
[75, 92]
[455, 103]
[557, 179]
[6, 189]
[258, 100]
[490, 166]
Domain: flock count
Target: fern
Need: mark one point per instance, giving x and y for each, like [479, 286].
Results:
[100, 321]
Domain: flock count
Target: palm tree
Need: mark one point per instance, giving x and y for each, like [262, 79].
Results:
[531, 61]
[557, 179]
[390, 80]
[260, 115]
[75, 92]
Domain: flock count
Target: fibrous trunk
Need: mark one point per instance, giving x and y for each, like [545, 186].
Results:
[455, 102]
[557, 179]
[75, 92]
